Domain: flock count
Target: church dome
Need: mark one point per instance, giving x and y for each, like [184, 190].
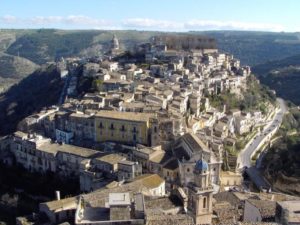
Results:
[201, 165]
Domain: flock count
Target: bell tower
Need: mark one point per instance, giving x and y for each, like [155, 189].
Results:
[200, 194]
[115, 43]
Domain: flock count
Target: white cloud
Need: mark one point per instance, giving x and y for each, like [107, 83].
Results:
[145, 23]
[45, 20]
[85, 20]
[8, 19]
[81, 21]
[54, 21]
[231, 25]
[69, 20]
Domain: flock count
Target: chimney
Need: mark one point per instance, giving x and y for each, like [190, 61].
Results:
[273, 197]
[57, 194]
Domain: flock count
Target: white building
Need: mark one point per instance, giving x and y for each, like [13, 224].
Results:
[63, 136]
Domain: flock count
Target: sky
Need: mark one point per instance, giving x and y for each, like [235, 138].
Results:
[161, 15]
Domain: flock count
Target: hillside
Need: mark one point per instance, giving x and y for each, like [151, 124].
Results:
[45, 45]
[254, 48]
[42, 46]
[281, 162]
[38, 90]
[13, 69]
[283, 76]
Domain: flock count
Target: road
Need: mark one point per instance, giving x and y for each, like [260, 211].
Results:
[244, 157]
[64, 91]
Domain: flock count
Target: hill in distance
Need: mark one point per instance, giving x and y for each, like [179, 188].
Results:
[45, 45]
[36, 91]
[254, 48]
[283, 76]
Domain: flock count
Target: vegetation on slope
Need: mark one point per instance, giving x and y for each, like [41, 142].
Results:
[283, 76]
[43, 45]
[254, 48]
[21, 191]
[256, 97]
[38, 90]
[46, 45]
[15, 67]
[282, 161]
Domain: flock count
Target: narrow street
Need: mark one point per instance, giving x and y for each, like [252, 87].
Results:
[64, 91]
[244, 157]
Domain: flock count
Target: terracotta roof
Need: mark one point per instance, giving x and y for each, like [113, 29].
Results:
[164, 219]
[226, 213]
[133, 116]
[69, 149]
[160, 158]
[181, 153]
[150, 180]
[172, 164]
[229, 197]
[266, 208]
[258, 223]
[194, 142]
[111, 158]
[62, 204]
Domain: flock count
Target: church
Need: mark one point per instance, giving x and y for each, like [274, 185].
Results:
[189, 149]
[200, 194]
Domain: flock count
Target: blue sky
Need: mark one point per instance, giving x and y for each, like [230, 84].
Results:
[169, 15]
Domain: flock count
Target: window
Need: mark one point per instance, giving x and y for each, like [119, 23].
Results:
[155, 129]
[112, 126]
[100, 125]
[134, 137]
[134, 129]
[123, 128]
[204, 202]
[188, 170]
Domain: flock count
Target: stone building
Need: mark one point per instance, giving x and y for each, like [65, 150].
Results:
[200, 194]
[126, 127]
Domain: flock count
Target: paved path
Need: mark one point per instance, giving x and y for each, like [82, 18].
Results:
[244, 157]
[64, 91]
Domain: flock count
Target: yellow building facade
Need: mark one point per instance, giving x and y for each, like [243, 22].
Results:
[125, 127]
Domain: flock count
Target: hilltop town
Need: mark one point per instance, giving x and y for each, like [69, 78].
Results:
[167, 134]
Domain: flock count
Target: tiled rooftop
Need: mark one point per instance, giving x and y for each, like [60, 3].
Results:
[141, 117]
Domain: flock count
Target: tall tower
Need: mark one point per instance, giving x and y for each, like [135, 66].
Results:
[200, 194]
[115, 43]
